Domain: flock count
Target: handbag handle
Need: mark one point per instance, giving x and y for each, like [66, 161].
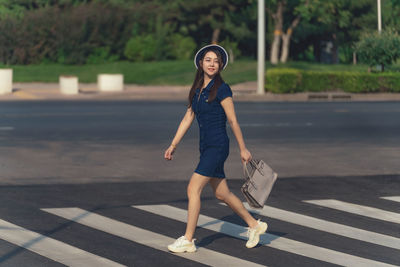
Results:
[246, 170]
[247, 174]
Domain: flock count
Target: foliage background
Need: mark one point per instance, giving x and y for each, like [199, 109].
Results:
[101, 31]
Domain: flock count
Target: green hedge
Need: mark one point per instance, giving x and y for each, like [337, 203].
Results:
[293, 80]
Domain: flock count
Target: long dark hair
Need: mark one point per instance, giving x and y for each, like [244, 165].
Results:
[199, 78]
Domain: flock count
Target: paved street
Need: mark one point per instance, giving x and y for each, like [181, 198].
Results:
[88, 179]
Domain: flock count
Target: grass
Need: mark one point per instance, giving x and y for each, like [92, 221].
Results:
[162, 73]
[156, 73]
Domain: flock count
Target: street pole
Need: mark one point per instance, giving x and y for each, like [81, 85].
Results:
[379, 17]
[379, 67]
[261, 48]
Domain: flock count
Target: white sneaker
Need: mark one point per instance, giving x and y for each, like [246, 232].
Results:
[254, 234]
[182, 245]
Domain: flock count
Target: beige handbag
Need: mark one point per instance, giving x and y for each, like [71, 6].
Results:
[260, 179]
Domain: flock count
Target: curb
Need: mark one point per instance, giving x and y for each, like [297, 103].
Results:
[241, 92]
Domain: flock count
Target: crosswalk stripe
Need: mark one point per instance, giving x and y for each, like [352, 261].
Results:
[145, 237]
[269, 240]
[51, 248]
[394, 198]
[357, 209]
[326, 226]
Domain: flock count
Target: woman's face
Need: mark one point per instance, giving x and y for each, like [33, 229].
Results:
[210, 64]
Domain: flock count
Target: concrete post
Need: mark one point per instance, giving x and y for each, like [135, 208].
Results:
[110, 82]
[6, 81]
[69, 85]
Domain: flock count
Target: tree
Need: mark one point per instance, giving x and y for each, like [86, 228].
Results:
[337, 22]
[13, 8]
[391, 14]
[286, 18]
[207, 13]
[379, 49]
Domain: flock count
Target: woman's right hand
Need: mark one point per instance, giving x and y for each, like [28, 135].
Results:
[169, 152]
[245, 155]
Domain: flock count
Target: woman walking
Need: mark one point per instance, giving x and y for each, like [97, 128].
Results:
[210, 101]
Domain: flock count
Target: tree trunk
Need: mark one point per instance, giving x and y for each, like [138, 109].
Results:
[286, 39]
[285, 47]
[231, 55]
[215, 36]
[335, 59]
[275, 48]
[278, 25]
[317, 51]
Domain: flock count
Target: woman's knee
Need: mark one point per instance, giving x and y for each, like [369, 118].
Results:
[193, 191]
[196, 184]
[222, 196]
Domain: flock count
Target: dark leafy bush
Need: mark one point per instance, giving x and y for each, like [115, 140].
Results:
[390, 82]
[314, 81]
[356, 82]
[232, 49]
[74, 34]
[292, 80]
[283, 80]
[180, 47]
[101, 55]
[141, 48]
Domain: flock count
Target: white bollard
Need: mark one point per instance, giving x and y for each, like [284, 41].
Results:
[69, 85]
[6, 81]
[110, 82]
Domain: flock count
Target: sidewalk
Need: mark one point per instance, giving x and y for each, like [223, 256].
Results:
[242, 92]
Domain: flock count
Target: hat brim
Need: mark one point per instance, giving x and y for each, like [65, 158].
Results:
[200, 54]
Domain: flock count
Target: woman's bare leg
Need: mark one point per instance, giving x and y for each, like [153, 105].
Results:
[196, 185]
[223, 193]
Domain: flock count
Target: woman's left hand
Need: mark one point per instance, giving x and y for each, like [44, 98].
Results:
[169, 152]
[245, 155]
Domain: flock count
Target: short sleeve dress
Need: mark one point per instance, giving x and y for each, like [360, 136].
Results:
[214, 141]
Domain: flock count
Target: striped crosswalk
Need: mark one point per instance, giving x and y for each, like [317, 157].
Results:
[330, 227]
[72, 255]
[51, 248]
[144, 237]
[270, 240]
[366, 211]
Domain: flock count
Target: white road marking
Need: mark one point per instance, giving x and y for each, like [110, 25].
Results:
[6, 128]
[327, 226]
[394, 198]
[281, 124]
[358, 209]
[270, 240]
[51, 248]
[255, 125]
[145, 237]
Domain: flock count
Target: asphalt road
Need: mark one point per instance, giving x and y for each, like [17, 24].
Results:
[64, 142]
[88, 178]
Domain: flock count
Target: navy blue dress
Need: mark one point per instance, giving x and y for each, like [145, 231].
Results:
[214, 142]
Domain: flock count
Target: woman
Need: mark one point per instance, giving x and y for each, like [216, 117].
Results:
[210, 101]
